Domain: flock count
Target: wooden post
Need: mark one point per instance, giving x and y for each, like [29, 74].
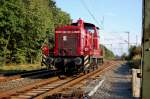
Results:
[146, 51]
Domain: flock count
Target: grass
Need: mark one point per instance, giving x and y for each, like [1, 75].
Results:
[19, 68]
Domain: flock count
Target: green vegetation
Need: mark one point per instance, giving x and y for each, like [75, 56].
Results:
[24, 26]
[19, 68]
[135, 52]
[134, 56]
[108, 54]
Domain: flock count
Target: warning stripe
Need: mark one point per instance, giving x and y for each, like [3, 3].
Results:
[44, 56]
[86, 57]
[86, 61]
[87, 65]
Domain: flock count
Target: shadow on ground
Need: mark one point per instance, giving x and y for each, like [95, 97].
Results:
[124, 69]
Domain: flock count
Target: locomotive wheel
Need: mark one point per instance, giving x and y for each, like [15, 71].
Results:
[93, 68]
[86, 71]
[96, 66]
[89, 70]
[61, 76]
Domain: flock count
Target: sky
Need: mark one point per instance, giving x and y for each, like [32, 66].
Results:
[114, 17]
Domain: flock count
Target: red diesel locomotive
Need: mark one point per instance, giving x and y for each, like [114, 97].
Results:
[76, 48]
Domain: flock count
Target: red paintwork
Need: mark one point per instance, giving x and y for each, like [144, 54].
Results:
[45, 50]
[82, 40]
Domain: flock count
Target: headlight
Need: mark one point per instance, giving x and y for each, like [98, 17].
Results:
[78, 61]
[57, 60]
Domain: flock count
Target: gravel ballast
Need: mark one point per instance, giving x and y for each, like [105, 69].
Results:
[117, 84]
[5, 86]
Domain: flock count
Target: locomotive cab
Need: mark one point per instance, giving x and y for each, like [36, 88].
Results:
[76, 47]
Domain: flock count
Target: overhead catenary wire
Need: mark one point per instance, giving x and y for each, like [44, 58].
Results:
[94, 18]
[90, 13]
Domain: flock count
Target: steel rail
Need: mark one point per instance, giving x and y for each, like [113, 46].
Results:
[18, 91]
[77, 89]
[20, 75]
[72, 82]
[14, 93]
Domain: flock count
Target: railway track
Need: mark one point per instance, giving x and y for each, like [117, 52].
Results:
[54, 85]
[15, 76]
[75, 88]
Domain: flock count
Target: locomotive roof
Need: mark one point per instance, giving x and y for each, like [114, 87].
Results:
[86, 24]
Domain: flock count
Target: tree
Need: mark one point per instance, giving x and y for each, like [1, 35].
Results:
[134, 56]
[134, 51]
[10, 27]
[24, 26]
[108, 54]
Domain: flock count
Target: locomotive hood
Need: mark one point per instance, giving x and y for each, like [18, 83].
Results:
[68, 28]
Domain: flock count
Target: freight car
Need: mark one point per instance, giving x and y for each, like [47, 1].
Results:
[76, 48]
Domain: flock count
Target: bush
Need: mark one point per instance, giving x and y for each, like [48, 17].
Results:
[1, 61]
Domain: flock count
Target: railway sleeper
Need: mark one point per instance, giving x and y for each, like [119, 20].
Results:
[76, 94]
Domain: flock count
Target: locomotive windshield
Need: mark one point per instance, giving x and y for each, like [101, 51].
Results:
[90, 29]
[74, 24]
[88, 26]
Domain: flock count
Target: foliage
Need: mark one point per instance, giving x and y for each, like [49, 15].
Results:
[24, 26]
[124, 56]
[108, 54]
[134, 56]
[134, 52]
[16, 68]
